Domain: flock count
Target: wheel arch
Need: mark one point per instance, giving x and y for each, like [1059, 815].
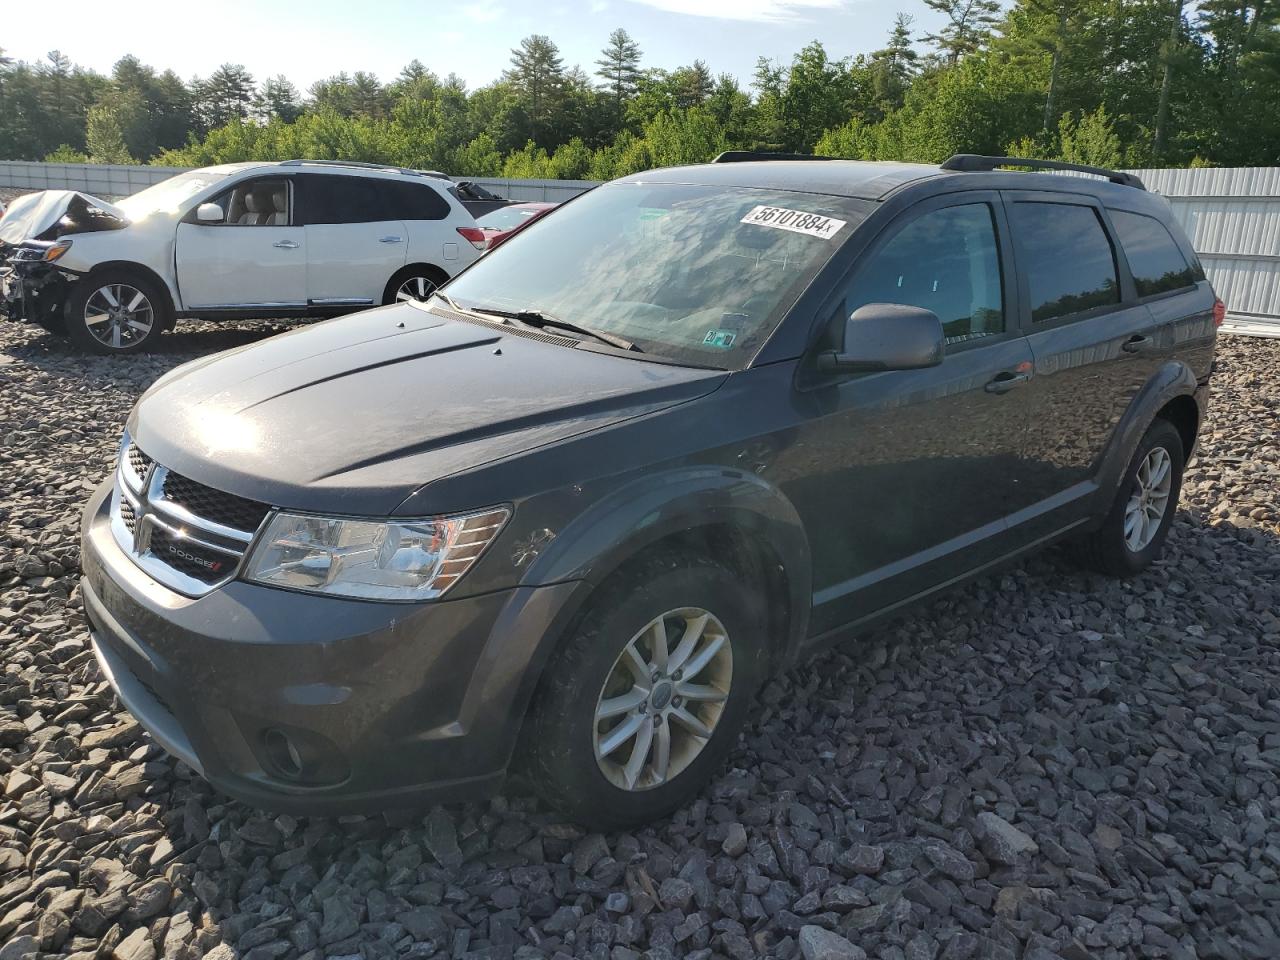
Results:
[409, 269]
[721, 512]
[1169, 393]
[140, 270]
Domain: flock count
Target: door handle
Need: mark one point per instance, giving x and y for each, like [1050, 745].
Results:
[1138, 344]
[390, 239]
[1004, 382]
[286, 244]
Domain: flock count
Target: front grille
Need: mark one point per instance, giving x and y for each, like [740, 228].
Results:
[190, 537]
[191, 558]
[224, 508]
[128, 515]
[139, 462]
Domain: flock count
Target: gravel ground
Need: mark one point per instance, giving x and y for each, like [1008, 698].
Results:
[1046, 764]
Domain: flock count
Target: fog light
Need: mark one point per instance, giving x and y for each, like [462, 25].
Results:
[282, 753]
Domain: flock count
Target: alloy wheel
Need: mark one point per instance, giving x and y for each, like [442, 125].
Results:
[1149, 500]
[119, 315]
[662, 699]
[416, 288]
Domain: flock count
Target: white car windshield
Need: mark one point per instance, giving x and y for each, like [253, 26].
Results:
[692, 273]
[168, 195]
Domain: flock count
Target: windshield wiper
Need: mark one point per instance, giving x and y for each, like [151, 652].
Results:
[538, 319]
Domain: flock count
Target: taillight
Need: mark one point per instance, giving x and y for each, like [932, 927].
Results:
[475, 236]
[1219, 312]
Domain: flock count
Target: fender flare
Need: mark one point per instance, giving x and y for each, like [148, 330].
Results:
[1173, 380]
[647, 510]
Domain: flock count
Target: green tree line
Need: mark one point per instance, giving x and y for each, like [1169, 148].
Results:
[1112, 82]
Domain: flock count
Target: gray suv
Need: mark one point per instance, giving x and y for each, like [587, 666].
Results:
[568, 514]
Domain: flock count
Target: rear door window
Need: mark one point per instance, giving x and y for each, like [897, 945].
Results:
[328, 198]
[1066, 255]
[1155, 260]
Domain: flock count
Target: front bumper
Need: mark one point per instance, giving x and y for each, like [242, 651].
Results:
[32, 290]
[380, 704]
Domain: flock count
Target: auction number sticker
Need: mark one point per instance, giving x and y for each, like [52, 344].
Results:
[797, 221]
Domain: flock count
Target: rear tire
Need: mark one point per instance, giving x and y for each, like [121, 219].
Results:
[414, 283]
[116, 312]
[1137, 525]
[619, 734]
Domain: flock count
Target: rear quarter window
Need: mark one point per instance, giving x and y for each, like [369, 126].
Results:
[413, 201]
[1155, 260]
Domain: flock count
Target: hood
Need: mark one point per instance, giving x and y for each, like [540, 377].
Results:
[356, 414]
[50, 214]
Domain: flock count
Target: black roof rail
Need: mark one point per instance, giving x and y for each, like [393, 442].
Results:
[976, 162]
[359, 164]
[742, 156]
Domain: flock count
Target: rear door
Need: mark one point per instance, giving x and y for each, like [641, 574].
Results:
[1094, 344]
[910, 475]
[255, 259]
[356, 238]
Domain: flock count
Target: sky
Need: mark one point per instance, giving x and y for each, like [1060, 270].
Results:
[307, 40]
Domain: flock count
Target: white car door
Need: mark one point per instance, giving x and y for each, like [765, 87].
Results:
[254, 259]
[354, 241]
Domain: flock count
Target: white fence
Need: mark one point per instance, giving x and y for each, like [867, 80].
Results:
[1231, 214]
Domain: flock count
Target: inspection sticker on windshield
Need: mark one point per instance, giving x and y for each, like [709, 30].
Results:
[797, 221]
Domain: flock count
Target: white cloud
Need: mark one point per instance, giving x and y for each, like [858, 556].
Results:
[599, 6]
[767, 11]
[483, 11]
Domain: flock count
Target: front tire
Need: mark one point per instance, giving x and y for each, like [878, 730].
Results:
[1135, 529]
[642, 705]
[116, 312]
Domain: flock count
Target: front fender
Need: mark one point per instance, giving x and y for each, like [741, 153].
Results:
[652, 508]
[1174, 379]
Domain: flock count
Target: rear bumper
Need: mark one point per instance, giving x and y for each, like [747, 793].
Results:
[381, 705]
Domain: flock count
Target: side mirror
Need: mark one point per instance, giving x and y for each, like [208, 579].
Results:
[210, 213]
[887, 336]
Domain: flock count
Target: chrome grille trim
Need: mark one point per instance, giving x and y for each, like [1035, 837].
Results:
[152, 511]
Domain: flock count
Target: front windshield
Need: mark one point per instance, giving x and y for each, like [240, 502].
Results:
[169, 194]
[693, 273]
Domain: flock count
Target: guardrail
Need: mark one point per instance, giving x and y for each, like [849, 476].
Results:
[1232, 215]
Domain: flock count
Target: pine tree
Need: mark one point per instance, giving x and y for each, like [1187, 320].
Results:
[894, 66]
[969, 22]
[278, 100]
[619, 67]
[537, 73]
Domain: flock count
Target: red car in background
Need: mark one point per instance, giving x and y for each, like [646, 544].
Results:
[501, 223]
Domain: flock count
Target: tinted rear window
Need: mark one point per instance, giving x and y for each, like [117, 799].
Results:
[340, 199]
[1064, 250]
[1156, 262]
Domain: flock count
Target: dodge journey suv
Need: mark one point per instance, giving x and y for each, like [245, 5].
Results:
[566, 515]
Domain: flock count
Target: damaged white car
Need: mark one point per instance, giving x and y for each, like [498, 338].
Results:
[270, 239]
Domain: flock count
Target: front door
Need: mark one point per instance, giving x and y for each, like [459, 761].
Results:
[355, 239]
[918, 470]
[254, 259]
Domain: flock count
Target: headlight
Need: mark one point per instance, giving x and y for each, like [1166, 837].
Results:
[55, 251]
[406, 560]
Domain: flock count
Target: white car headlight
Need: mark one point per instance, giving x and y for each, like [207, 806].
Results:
[373, 560]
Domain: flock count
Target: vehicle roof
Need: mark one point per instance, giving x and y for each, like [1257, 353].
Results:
[875, 180]
[320, 166]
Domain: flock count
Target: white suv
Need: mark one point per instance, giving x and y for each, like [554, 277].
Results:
[289, 238]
